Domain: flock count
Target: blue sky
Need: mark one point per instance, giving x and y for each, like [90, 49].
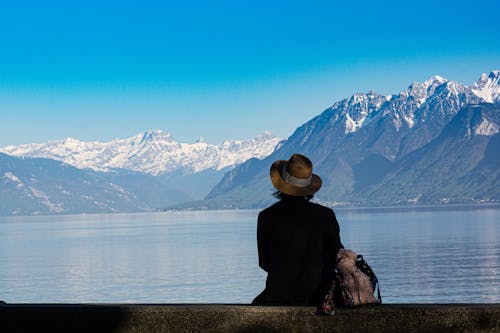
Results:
[97, 70]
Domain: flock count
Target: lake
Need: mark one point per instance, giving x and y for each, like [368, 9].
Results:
[419, 255]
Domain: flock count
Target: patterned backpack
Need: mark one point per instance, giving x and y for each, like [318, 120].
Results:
[354, 284]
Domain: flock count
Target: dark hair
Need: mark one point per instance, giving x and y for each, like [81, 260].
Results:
[282, 196]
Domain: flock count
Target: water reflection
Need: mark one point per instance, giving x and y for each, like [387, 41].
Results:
[430, 256]
[210, 257]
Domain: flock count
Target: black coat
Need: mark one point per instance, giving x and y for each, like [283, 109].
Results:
[297, 242]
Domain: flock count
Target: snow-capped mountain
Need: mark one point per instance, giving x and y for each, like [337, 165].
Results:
[154, 152]
[148, 171]
[435, 142]
[488, 87]
[412, 106]
[359, 140]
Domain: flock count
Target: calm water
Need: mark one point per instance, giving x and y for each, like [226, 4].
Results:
[210, 257]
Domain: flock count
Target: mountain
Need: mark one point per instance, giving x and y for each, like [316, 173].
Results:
[459, 166]
[191, 170]
[32, 186]
[436, 142]
[488, 87]
[369, 149]
[154, 152]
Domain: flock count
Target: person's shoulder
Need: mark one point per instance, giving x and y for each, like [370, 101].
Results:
[270, 209]
[320, 208]
[325, 214]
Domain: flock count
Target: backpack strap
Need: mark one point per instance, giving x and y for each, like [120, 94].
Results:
[365, 268]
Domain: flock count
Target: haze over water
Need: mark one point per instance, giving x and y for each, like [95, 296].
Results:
[420, 256]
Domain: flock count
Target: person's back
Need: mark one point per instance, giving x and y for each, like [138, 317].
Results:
[297, 244]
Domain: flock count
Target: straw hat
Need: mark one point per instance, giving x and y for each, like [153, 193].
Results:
[295, 177]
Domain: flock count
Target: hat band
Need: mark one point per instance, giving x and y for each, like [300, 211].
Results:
[299, 182]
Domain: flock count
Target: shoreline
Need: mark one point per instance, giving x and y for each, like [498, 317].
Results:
[362, 209]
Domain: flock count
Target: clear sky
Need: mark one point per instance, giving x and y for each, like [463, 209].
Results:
[97, 70]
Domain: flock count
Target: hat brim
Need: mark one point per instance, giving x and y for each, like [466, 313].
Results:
[282, 186]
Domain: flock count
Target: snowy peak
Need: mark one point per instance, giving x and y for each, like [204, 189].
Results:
[362, 108]
[150, 136]
[488, 87]
[435, 100]
[154, 151]
[267, 135]
[420, 92]
[355, 112]
[434, 81]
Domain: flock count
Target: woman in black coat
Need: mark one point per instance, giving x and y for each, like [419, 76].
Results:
[297, 240]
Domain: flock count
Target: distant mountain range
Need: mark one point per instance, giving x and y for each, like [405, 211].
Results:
[32, 186]
[149, 171]
[436, 142]
[154, 152]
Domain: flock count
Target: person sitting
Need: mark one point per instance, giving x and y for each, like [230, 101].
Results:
[297, 240]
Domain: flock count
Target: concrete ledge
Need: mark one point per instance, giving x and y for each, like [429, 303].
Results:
[406, 318]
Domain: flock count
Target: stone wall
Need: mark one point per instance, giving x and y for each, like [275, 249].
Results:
[244, 318]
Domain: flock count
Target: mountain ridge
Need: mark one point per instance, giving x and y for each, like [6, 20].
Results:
[436, 142]
[39, 186]
[363, 131]
[154, 152]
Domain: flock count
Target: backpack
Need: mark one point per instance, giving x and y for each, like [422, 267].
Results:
[354, 284]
